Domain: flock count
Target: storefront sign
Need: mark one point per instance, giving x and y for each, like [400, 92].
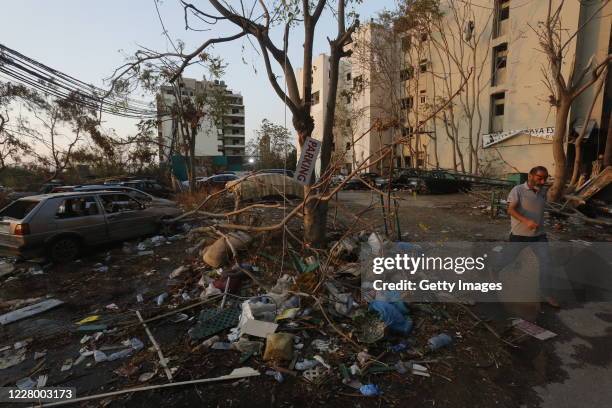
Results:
[494, 138]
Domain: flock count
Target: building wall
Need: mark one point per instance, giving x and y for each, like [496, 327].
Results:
[229, 140]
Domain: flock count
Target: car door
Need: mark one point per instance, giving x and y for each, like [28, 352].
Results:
[125, 216]
[83, 216]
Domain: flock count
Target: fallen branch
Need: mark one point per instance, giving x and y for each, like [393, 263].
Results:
[162, 359]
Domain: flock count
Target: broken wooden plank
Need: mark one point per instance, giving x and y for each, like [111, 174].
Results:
[29, 311]
[533, 330]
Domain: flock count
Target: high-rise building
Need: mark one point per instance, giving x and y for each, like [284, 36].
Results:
[219, 144]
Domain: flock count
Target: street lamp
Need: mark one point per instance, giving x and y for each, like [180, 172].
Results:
[251, 160]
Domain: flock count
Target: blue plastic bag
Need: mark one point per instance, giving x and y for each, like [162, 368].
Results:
[393, 314]
[369, 390]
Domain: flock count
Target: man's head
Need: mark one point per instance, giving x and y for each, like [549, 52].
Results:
[537, 177]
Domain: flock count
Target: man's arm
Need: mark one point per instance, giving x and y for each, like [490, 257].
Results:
[512, 210]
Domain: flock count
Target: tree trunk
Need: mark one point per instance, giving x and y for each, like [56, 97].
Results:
[607, 159]
[560, 173]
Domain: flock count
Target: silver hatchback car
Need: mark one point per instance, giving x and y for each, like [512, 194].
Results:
[60, 225]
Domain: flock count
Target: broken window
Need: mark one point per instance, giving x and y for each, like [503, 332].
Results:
[500, 56]
[407, 74]
[77, 207]
[502, 14]
[423, 66]
[348, 76]
[407, 103]
[497, 112]
[314, 98]
[19, 209]
[358, 83]
[114, 203]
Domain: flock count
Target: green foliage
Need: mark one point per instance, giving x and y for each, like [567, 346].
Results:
[272, 147]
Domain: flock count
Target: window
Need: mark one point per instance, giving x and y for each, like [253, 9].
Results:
[77, 207]
[235, 131]
[407, 74]
[19, 209]
[348, 76]
[348, 146]
[348, 99]
[407, 103]
[116, 203]
[314, 98]
[500, 56]
[358, 83]
[423, 66]
[347, 123]
[234, 111]
[407, 131]
[236, 141]
[502, 14]
[423, 99]
[497, 112]
[424, 37]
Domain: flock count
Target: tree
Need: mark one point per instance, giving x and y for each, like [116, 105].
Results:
[61, 123]
[290, 14]
[12, 144]
[555, 41]
[271, 147]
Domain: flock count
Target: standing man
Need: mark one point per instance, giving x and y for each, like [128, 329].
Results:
[526, 204]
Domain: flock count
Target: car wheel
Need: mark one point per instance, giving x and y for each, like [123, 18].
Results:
[64, 249]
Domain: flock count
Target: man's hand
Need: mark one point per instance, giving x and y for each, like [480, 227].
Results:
[531, 224]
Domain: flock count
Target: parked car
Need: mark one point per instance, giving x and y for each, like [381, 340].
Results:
[216, 182]
[61, 225]
[44, 189]
[402, 179]
[443, 182]
[141, 196]
[148, 186]
[337, 179]
[288, 173]
[356, 183]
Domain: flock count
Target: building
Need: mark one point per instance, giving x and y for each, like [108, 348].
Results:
[218, 145]
[500, 122]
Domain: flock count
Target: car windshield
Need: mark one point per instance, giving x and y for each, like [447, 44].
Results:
[18, 209]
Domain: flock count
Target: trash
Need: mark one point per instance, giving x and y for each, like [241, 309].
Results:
[41, 354]
[185, 296]
[139, 298]
[85, 339]
[67, 365]
[143, 253]
[29, 311]
[393, 314]
[418, 369]
[88, 319]
[306, 364]
[41, 381]
[179, 317]
[323, 363]
[258, 328]
[91, 328]
[315, 375]
[25, 384]
[213, 321]
[99, 356]
[439, 341]
[277, 376]
[355, 370]
[347, 249]
[247, 346]
[208, 343]
[279, 347]
[100, 268]
[82, 357]
[217, 254]
[322, 345]
[146, 376]
[369, 390]
[343, 302]
[376, 244]
[363, 357]
[161, 298]
[370, 328]
[399, 347]
[533, 330]
[178, 271]
[10, 358]
[112, 306]
[288, 314]
[220, 345]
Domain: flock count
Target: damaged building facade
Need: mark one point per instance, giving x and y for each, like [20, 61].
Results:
[488, 59]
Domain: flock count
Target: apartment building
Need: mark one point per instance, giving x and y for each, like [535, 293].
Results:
[484, 54]
[502, 121]
[218, 145]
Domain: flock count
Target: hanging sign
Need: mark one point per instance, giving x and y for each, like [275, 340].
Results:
[308, 159]
[494, 138]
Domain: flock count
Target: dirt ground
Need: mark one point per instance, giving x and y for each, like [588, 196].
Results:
[478, 370]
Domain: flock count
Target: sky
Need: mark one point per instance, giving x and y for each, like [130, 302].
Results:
[89, 39]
